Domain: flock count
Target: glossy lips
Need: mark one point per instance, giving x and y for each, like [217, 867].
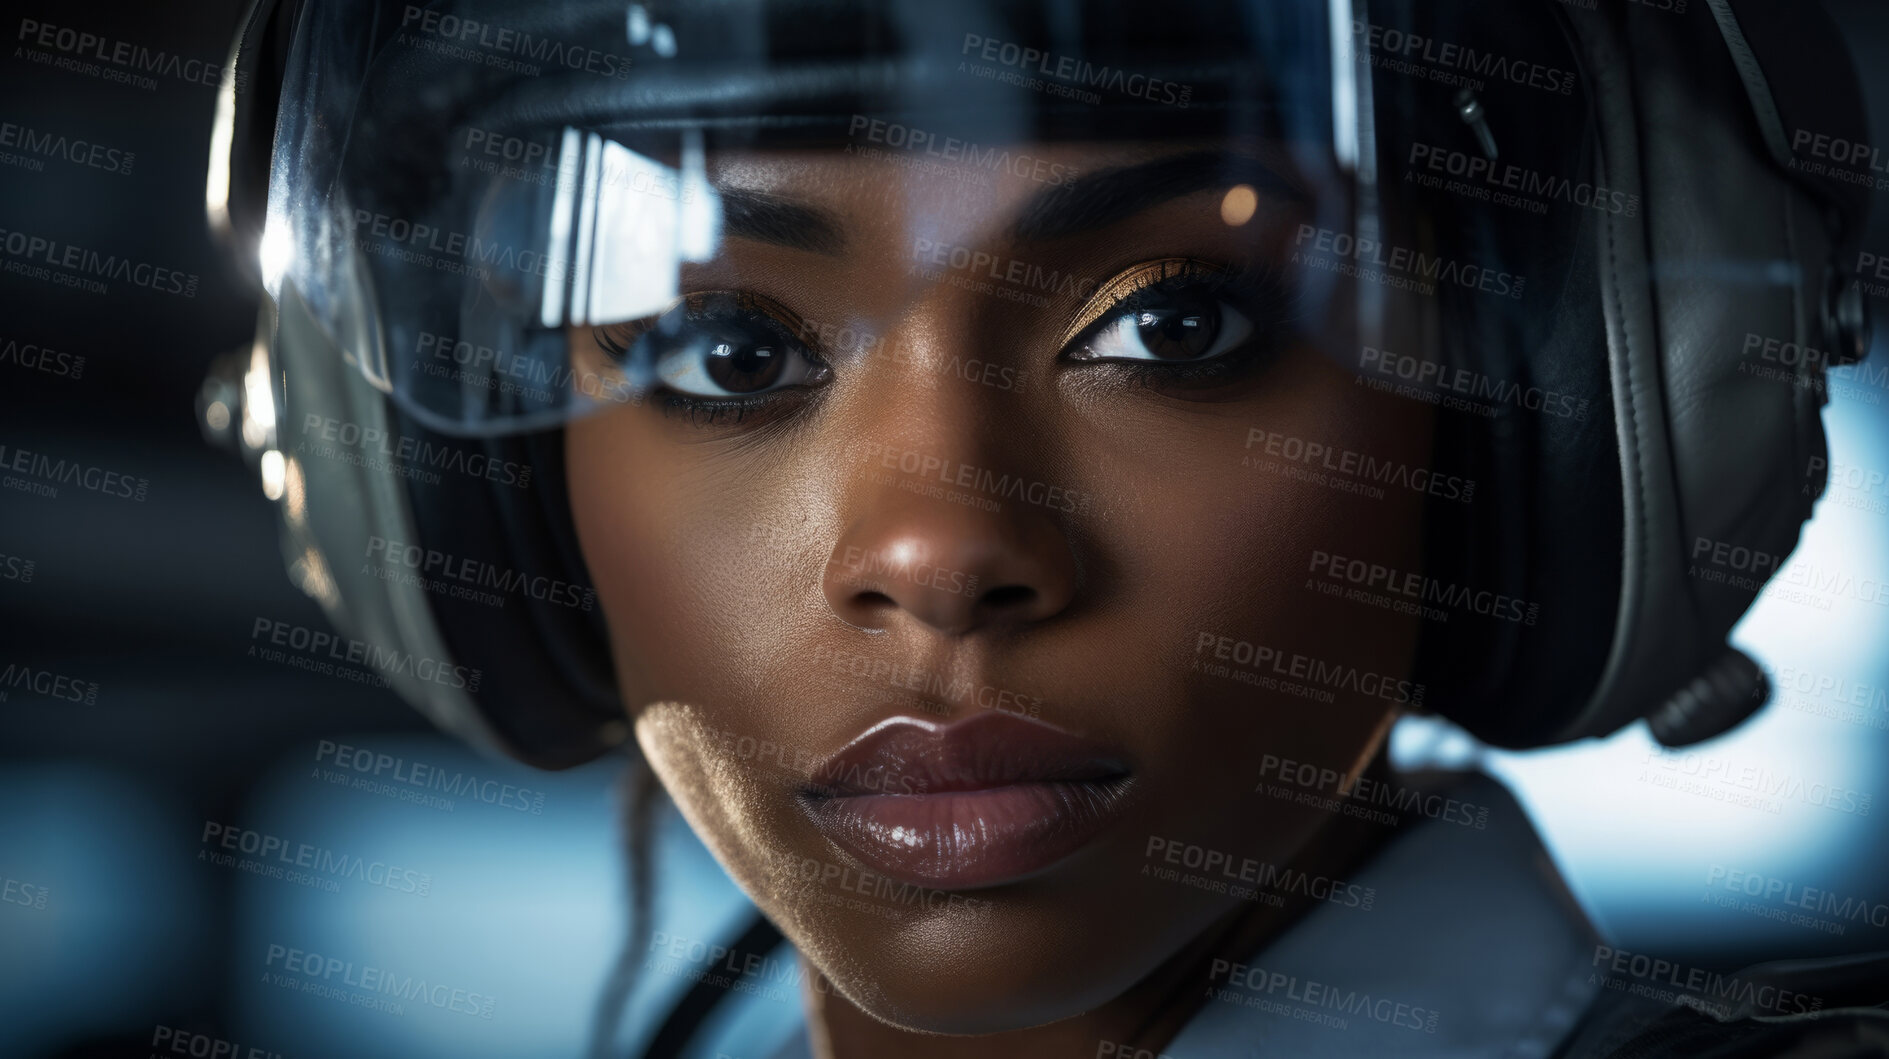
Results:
[983, 801]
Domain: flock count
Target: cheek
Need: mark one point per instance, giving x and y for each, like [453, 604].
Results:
[731, 787]
[1220, 544]
[708, 606]
[613, 504]
[687, 598]
[697, 588]
[1232, 510]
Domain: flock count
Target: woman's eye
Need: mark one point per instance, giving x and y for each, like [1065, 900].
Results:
[1178, 328]
[733, 365]
[720, 348]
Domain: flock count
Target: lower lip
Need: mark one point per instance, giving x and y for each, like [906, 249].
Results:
[962, 840]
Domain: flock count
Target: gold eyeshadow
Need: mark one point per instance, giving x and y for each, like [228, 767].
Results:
[1128, 283]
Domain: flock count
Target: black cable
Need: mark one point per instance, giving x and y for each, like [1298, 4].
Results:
[760, 938]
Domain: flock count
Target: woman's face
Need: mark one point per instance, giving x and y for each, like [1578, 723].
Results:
[960, 566]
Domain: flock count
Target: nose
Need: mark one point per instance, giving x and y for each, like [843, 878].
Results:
[953, 567]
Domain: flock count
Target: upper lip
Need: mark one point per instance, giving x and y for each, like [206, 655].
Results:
[904, 755]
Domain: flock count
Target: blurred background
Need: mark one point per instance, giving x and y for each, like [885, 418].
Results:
[138, 727]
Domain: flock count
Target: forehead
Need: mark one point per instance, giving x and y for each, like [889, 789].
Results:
[926, 168]
[895, 182]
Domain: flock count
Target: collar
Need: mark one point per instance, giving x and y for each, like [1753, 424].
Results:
[1472, 947]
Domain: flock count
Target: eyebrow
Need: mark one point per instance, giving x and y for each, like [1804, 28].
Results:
[769, 218]
[1106, 196]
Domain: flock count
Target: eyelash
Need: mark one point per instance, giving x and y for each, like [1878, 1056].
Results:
[617, 340]
[1258, 293]
[703, 411]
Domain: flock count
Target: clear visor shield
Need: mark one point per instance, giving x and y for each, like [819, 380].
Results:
[507, 214]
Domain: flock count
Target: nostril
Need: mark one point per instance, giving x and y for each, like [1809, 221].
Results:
[867, 609]
[1009, 597]
[948, 570]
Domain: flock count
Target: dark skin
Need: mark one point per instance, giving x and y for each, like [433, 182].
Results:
[719, 545]
[1151, 1012]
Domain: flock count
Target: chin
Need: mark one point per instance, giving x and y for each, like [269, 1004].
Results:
[1012, 970]
[943, 1005]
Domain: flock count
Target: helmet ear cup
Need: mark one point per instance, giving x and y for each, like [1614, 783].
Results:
[1731, 247]
[1528, 573]
[1704, 452]
[1543, 537]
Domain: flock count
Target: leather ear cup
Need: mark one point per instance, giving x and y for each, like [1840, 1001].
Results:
[1545, 530]
[1598, 522]
[1526, 409]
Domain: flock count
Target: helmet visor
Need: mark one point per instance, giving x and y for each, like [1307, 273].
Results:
[507, 214]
